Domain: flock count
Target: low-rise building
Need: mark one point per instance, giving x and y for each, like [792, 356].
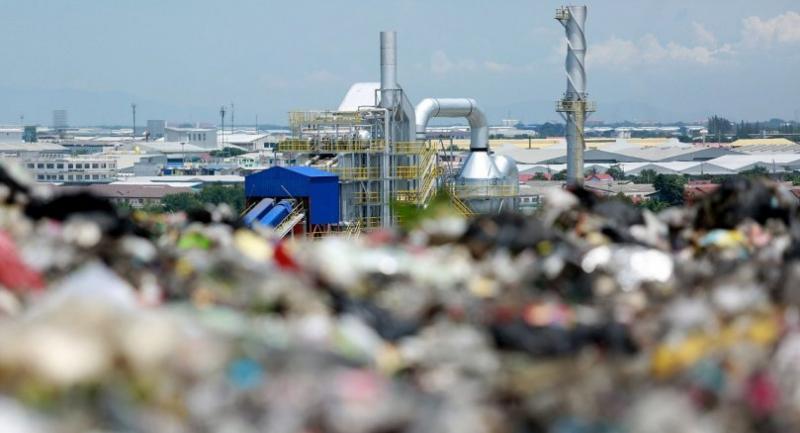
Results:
[249, 141]
[11, 135]
[135, 196]
[60, 168]
[205, 138]
[636, 192]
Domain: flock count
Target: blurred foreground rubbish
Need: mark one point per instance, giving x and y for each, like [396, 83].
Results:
[593, 317]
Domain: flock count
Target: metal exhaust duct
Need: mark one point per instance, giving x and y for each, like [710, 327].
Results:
[389, 84]
[455, 107]
[574, 105]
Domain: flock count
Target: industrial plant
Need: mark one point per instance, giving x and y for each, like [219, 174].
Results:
[376, 144]
[361, 165]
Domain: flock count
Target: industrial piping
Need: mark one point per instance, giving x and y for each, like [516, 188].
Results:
[389, 87]
[574, 105]
[455, 107]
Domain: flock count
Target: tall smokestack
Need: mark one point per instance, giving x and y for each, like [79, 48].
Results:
[388, 69]
[574, 106]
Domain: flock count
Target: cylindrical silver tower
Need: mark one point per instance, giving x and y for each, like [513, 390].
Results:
[388, 68]
[574, 106]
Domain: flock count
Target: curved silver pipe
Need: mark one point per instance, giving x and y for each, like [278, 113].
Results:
[574, 23]
[454, 107]
[574, 106]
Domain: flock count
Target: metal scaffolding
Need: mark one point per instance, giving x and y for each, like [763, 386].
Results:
[374, 171]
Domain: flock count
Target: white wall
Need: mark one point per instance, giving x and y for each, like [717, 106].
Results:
[10, 135]
[205, 138]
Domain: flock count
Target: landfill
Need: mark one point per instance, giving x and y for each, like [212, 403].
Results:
[592, 316]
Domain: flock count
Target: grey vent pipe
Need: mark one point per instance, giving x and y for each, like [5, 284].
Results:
[388, 69]
[455, 107]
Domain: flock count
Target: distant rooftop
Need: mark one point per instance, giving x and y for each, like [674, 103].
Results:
[762, 142]
[146, 180]
[117, 190]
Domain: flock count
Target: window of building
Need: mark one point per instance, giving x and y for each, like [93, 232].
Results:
[70, 177]
[69, 166]
[102, 166]
[94, 165]
[60, 166]
[95, 177]
[60, 177]
[50, 166]
[40, 177]
[79, 166]
[30, 165]
[39, 165]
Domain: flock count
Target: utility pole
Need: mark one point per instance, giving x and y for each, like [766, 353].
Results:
[222, 124]
[133, 133]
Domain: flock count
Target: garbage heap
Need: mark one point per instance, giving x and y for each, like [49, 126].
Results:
[593, 317]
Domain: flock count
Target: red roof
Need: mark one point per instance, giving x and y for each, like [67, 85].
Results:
[599, 177]
[126, 191]
[694, 192]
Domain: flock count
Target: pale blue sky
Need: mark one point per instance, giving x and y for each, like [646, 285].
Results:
[180, 60]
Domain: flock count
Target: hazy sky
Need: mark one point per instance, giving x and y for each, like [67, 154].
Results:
[180, 60]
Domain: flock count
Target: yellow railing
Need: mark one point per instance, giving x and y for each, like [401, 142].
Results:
[407, 172]
[429, 183]
[426, 172]
[316, 144]
[410, 147]
[355, 229]
[418, 170]
[367, 222]
[485, 190]
[331, 146]
[568, 106]
[356, 173]
[284, 226]
[324, 118]
[350, 146]
[460, 206]
[364, 197]
[407, 196]
[292, 145]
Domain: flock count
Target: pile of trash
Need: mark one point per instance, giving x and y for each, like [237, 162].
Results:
[592, 317]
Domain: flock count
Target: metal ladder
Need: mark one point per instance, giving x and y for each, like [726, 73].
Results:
[460, 206]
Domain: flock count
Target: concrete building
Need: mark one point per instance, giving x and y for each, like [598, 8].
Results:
[60, 121]
[249, 141]
[149, 165]
[637, 192]
[60, 168]
[156, 129]
[135, 196]
[184, 181]
[205, 138]
[19, 149]
[11, 135]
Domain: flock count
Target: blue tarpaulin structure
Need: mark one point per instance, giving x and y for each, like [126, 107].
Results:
[319, 188]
